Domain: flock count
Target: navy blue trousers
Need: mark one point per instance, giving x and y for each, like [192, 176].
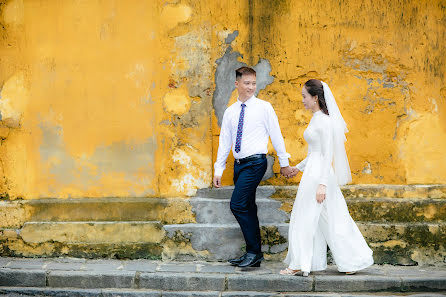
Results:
[247, 177]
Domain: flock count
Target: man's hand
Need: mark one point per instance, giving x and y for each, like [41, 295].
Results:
[288, 171]
[217, 181]
[320, 193]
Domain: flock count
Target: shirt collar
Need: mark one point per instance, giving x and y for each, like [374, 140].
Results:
[247, 102]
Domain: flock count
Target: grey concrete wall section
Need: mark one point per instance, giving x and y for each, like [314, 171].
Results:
[217, 211]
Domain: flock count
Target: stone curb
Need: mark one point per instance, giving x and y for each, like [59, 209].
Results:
[23, 278]
[91, 280]
[222, 282]
[54, 292]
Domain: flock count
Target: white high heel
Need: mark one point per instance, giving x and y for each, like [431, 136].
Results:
[304, 273]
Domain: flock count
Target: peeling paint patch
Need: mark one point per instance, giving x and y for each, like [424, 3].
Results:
[189, 183]
[225, 79]
[231, 37]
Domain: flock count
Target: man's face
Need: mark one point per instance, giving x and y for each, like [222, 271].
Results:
[246, 86]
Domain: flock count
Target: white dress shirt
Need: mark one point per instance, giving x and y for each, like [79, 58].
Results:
[260, 122]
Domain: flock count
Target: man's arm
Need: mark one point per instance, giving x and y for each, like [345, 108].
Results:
[275, 134]
[224, 147]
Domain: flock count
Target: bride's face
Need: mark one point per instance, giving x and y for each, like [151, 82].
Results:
[307, 99]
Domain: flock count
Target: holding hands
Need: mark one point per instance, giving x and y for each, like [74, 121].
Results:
[289, 172]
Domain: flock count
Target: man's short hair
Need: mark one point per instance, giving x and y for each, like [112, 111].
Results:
[244, 71]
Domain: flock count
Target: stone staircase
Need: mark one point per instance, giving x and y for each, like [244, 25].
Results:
[402, 224]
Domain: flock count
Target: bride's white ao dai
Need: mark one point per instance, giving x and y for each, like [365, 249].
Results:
[315, 225]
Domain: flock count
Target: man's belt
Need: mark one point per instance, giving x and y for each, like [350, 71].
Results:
[250, 158]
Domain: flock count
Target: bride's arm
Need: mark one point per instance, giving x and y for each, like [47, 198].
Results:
[302, 164]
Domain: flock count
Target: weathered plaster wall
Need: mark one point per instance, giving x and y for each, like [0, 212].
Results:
[121, 98]
[385, 63]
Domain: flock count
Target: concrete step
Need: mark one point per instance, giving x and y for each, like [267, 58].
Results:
[165, 210]
[217, 211]
[206, 210]
[395, 243]
[349, 191]
[92, 232]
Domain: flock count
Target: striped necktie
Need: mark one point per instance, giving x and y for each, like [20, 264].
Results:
[238, 140]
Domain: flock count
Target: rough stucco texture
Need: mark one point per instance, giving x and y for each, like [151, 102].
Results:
[118, 98]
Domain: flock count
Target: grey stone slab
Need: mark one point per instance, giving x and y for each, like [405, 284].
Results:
[313, 295]
[102, 265]
[140, 265]
[396, 295]
[248, 294]
[68, 260]
[191, 294]
[254, 270]
[216, 268]
[177, 267]
[356, 283]
[4, 262]
[50, 292]
[64, 266]
[22, 278]
[88, 279]
[130, 293]
[182, 281]
[268, 283]
[34, 264]
[411, 283]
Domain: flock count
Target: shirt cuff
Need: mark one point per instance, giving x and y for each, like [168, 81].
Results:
[218, 171]
[284, 162]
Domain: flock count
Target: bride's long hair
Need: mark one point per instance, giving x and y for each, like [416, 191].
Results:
[315, 88]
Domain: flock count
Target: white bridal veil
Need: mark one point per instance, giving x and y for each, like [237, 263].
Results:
[340, 160]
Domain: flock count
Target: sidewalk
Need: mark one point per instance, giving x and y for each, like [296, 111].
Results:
[81, 277]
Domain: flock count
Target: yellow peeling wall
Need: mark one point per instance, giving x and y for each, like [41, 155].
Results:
[114, 98]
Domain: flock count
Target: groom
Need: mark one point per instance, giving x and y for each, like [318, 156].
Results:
[246, 127]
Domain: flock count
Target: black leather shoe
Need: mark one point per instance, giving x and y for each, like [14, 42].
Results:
[252, 260]
[237, 261]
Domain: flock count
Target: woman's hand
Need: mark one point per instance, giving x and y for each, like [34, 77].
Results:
[320, 193]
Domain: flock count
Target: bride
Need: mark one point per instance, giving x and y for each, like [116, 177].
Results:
[320, 216]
